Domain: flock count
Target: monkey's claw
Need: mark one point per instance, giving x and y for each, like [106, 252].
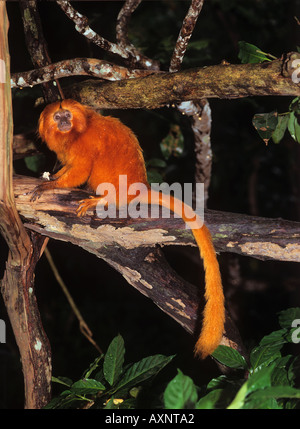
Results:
[89, 204]
[36, 193]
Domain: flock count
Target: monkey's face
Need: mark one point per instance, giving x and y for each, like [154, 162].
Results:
[63, 119]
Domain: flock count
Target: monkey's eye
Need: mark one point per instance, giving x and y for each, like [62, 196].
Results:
[68, 115]
[56, 117]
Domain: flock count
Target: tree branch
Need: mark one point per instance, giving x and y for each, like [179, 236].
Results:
[220, 81]
[37, 47]
[81, 25]
[17, 285]
[198, 111]
[54, 216]
[123, 21]
[185, 34]
[129, 246]
[75, 67]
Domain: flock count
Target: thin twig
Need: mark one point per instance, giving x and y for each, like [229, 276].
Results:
[37, 46]
[82, 26]
[123, 21]
[85, 330]
[185, 34]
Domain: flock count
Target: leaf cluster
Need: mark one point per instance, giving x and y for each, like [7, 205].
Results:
[267, 381]
[108, 383]
[271, 125]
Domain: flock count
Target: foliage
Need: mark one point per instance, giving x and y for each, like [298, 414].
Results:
[107, 383]
[267, 381]
[271, 125]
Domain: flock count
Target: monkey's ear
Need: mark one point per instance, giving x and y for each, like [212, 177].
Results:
[41, 129]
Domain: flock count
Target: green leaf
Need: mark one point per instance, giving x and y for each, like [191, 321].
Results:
[209, 401]
[286, 317]
[180, 393]
[94, 365]
[278, 392]
[280, 129]
[294, 127]
[154, 177]
[142, 370]
[264, 354]
[260, 379]
[279, 376]
[198, 45]
[230, 357]
[249, 53]
[62, 380]
[173, 143]
[87, 387]
[35, 162]
[156, 162]
[295, 105]
[294, 370]
[274, 337]
[265, 124]
[114, 359]
[255, 402]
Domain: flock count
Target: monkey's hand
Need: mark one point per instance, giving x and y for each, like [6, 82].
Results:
[38, 190]
[89, 204]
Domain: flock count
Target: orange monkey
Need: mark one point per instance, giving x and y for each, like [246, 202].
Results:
[96, 149]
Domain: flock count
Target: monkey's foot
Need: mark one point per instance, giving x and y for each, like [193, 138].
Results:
[89, 204]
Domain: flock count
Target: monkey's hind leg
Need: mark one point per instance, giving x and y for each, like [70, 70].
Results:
[90, 204]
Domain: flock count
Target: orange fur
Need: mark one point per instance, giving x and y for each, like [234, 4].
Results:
[98, 149]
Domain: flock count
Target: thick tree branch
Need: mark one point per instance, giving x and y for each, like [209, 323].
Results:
[17, 285]
[220, 81]
[54, 216]
[129, 246]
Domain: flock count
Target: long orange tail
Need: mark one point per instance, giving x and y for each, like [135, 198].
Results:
[214, 311]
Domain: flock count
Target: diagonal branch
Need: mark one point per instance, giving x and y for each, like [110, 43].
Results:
[185, 34]
[82, 26]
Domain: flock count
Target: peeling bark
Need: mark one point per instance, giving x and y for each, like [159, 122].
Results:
[54, 215]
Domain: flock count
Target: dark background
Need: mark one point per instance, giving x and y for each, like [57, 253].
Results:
[248, 177]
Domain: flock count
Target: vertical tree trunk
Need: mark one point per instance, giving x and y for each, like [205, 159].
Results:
[17, 284]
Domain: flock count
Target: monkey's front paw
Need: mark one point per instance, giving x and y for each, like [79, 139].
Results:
[36, 193]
